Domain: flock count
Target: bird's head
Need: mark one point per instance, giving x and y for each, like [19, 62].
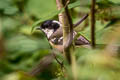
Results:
[49, 27]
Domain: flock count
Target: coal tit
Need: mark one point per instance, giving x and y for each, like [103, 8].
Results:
[54, 34]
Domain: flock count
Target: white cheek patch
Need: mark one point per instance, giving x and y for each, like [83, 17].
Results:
[48, 32]
[54, 21]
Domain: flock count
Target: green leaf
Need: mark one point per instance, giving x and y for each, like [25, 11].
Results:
[115, 1]
[8, 7]
[22, 43]
[10, 10]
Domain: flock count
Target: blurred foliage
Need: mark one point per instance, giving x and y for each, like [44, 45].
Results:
[22, 50]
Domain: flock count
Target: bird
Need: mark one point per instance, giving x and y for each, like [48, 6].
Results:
[53, 31]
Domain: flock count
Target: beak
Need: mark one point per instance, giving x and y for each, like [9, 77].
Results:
[38, 28]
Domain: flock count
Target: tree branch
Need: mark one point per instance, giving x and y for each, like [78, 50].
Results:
[93, 24]
[2, 48]
[67, 27]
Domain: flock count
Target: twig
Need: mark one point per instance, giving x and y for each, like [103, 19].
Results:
[80, 21]
[93, 24]
[57, 60]
[60, 63]
[2, 47]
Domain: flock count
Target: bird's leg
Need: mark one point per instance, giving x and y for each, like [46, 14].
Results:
[59, 62]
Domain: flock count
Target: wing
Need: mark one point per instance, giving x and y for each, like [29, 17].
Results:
[81, 40]
[58, 33]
